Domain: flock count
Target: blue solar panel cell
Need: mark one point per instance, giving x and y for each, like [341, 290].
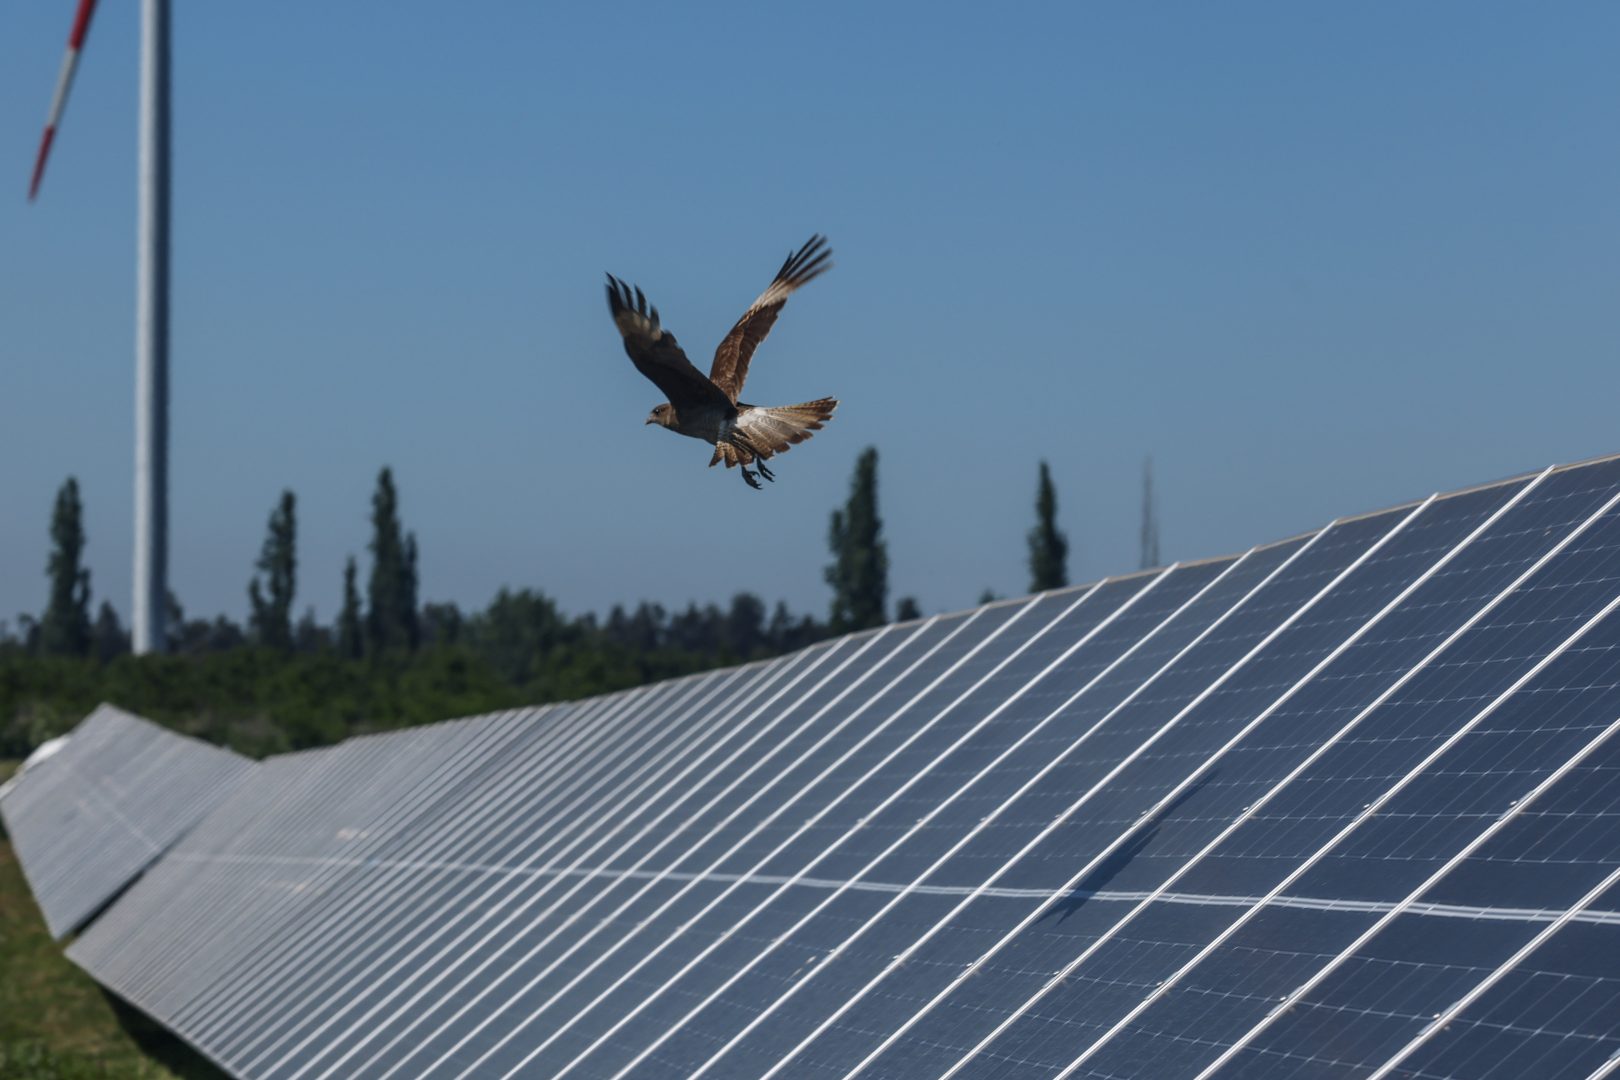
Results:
[762, 771]
[1550, 848]
[1301, 814]
[1025, 733]
[402, 921]
[1081, 860]
[449, 939]
[920, 824]
[1553, 853]
[116, 793]
[1242, 772]
[863, 786]
[405, 870]
[1453, 814]
[973, 730]
[1556, 1014]
[1528, 625]
[851, 719]
[278, 868]
[638, 899]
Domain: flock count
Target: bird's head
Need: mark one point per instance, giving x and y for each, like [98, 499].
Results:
[662, 415]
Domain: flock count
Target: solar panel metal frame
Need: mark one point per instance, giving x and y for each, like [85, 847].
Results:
[116, 793]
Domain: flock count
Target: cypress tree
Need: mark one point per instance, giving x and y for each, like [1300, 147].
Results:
[108, 637]
[1048, 548]
[271, 620]
[906, 610]
[745, 625]
[391, 593]
[408, 588]
[65, 628]
[309, 636]
[174, 622]
[859, 574]
[350, 640]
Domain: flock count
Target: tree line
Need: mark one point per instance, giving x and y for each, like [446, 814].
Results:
[280, 682]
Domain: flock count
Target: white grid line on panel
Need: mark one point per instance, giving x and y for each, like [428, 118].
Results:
[1068, 969]
[1496, 826]
[568, 728]
[1438, 1024]
[112, 967]
[577, 735]
[156, 970]
[715, 829]
[590, 748]
[497, 731]
[938, 809]
[115, 768]
[1471, 912]
[573, 735]
[405, 773]
[585, 873]
[585, 734]
[781, 714]
[490, 810]
[666, 873]
[104, 737]
[847, 755]
[1166, 800]
[90, 786]
[468, 748]
[74, 865]
[916, 887]
[771, 678]
[141, 968]
[616, 823]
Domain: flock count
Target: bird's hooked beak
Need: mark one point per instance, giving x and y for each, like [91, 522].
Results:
[651, 420]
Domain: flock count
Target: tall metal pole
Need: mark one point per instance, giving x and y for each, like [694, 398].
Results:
[152, 338]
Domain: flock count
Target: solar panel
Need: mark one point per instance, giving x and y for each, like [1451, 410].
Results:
[1344, 805]
[94, 811]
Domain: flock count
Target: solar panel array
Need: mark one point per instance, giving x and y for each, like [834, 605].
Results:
[112, 798]
[1344, 805]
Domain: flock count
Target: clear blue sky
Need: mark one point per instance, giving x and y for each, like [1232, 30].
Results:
[1315, 258]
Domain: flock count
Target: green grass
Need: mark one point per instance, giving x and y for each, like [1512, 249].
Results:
[55, 1022]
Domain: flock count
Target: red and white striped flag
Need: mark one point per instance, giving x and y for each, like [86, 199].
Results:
[64, 82]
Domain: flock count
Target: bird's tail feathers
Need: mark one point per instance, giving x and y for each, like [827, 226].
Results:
[763, 433]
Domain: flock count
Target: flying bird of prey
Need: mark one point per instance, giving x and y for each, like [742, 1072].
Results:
[707, 407]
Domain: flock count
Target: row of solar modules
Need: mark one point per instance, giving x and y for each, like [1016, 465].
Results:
[92, 813]
[1345, 805]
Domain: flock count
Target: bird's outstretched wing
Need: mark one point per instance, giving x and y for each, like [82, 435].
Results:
[731, 358]
[654, 350]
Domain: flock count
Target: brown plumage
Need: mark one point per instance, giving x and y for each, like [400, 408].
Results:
[707, 407]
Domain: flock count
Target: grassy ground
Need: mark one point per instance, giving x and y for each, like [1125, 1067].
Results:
[55, 1022]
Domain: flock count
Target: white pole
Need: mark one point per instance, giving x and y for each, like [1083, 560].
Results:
[152, 338]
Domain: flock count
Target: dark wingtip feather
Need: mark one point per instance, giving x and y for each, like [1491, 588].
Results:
[810, 261]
